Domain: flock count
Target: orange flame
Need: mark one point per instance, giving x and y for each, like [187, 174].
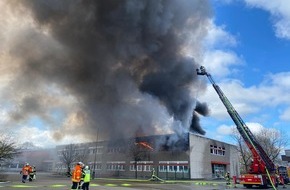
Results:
[145, 145]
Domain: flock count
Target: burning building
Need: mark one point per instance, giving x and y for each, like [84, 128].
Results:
[110, 68]
[189, 157]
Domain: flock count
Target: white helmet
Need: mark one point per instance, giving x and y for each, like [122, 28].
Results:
[86, 167]
[27, 164]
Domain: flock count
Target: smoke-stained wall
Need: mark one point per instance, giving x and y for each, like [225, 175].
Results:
[114, 67]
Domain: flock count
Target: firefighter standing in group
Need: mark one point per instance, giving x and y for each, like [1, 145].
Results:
[31, 172]
[82, 176]
[76, 176]
[87, 178]
[25, 172]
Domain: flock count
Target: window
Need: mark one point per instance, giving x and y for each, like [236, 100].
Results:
[217, 150]
[98, 165]
[94, 150]
[141, 166]
[173, 166]
[116, 166]
[114, 150]
[162, 168]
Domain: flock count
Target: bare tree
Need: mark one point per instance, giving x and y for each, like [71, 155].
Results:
[28, 145]
[272, 141]
[245, 154]
[83, 153]
[69, 155]
[73, 153]
[8, 148]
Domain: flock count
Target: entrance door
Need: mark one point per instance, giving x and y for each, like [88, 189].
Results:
[218, 170]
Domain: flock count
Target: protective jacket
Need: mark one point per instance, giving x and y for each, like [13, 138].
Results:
[30, 170]
[77, 174]
[87, 176]
[25, 170]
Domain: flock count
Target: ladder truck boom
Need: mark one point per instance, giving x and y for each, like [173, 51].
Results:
[261, 163]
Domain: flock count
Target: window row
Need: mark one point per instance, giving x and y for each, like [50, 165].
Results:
[144, 166]
[164, 166]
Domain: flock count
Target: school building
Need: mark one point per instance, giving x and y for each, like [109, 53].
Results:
[187, 156]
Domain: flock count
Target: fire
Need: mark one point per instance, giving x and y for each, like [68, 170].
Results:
[145, 145]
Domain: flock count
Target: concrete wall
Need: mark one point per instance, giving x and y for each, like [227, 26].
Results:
[202, 161]
[234, 161]
[199, 158]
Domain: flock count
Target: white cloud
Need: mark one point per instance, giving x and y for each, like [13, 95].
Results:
[255, 128]
[280, 79]
[39, 137]
[218, 58]
[280, 11]
[285, 115]
[225, 130]
[240, 98]
[218, 62]
[270, 94]
[218, 36]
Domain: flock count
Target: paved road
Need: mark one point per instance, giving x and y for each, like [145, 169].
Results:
[54, 182]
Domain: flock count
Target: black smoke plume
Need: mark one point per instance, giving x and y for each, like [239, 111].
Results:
[127, 65]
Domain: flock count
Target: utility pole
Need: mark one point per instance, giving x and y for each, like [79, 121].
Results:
[95, 158]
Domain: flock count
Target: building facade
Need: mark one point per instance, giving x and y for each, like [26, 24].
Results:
[212, 159]
[187, 156]
[286, 157]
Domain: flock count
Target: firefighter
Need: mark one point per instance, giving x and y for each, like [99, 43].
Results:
[82, 176]
[76, 176]
[87, 178]
[153, 175]
[281, 180]
[228, 178]
[34, 172]
[31, 172]
[25, 172]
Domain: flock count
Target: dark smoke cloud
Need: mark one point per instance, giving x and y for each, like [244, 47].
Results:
[201, 108]
[122, 61]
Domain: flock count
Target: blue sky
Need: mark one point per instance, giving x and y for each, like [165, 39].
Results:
[257, 76]
[244, 45]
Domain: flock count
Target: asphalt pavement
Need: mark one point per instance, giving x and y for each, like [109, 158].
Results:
[46, 181]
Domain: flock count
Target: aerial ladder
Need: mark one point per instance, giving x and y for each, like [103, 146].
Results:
[262, 170]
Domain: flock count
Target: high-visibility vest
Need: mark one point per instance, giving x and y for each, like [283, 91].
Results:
[77, 174]
[87, 177]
